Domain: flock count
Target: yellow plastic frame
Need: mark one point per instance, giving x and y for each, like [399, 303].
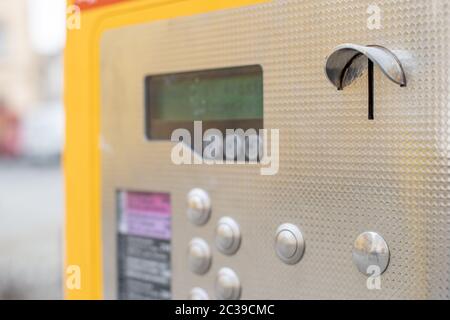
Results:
[82, 107]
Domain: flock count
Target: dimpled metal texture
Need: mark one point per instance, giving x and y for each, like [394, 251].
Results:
[339, 175]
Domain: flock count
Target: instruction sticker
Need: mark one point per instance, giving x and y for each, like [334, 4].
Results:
[144, 237]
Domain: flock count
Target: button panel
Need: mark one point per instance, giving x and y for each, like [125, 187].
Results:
[370, 250]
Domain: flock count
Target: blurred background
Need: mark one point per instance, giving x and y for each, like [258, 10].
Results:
[32, 37]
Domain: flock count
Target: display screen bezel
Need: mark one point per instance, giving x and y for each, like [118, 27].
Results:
[162, 129]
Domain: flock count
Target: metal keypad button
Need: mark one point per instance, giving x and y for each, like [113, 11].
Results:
[198, 294]
[228, 286]
[370, 253]
[199, 256]
[228, 236]
[289, 243]
[199, 206]
[286, 244]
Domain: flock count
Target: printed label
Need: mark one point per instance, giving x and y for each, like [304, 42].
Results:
[144, 245]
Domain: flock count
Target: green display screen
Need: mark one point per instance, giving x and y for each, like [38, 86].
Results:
[229, 97]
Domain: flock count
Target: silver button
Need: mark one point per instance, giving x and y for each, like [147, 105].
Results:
[289, 243]
[370, 253]
[198, 294]
[228, 236]
[228, 286]
[199, 256]
[199, 206]
[286, 243]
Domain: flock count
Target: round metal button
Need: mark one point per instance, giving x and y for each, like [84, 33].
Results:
[370, 253]
[286, 244]
[199, 256]
[228, 286]
[228, 236]
[289, 243]
[199, 206]
[198, 294]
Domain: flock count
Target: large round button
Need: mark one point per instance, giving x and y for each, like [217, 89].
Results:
[228, 286]
[370, 253]
[198, 294]
[199, 206]
[228, 236]
[289, 243]
[286, 243]
[199, 256]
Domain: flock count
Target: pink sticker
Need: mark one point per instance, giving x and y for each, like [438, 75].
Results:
[146, 215]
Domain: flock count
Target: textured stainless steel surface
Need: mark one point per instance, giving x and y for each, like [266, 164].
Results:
[339, 175]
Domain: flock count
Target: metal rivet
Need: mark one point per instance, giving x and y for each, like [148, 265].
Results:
[199, 256]
[370, 250]
[228, 236]
[228, 286]
[289, 243]
[199, 206]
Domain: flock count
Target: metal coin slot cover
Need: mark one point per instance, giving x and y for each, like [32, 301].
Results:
[228, 235]
[370, 250]
[199, 256]
[348, 62]
[199, 206]
[289, 243]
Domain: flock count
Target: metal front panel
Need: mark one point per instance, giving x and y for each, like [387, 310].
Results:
[340, 174]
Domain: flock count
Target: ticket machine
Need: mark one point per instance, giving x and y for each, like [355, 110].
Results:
[346, 102]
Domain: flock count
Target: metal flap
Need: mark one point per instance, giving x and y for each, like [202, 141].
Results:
[349, 61]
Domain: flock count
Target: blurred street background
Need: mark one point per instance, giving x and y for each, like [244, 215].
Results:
[32, 36]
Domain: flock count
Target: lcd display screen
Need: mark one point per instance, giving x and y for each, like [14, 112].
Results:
[229, 98]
